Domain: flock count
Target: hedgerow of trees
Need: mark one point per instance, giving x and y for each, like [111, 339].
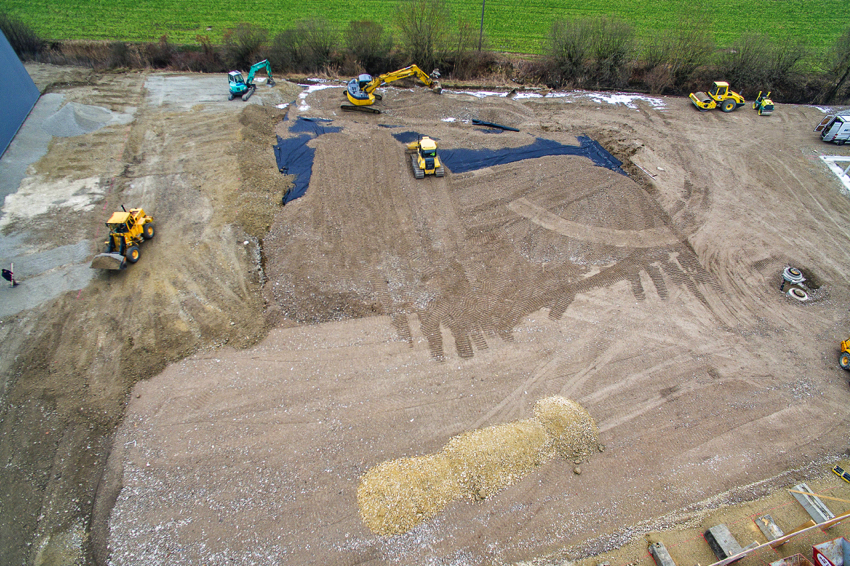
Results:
[590, 52]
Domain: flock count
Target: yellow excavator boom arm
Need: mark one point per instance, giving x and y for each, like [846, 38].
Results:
[410, 71]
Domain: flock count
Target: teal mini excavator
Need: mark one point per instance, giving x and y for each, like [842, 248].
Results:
[242, 88]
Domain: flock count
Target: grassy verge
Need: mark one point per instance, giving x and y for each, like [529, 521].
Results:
[509, 25]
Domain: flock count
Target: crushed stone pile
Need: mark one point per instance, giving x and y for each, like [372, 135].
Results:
[78, 119]
[570, 429]
[397, 495]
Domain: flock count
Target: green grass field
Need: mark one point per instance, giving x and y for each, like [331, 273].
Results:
[510, 25]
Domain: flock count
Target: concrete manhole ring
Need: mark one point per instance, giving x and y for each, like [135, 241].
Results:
[798, 294]
[793, 275]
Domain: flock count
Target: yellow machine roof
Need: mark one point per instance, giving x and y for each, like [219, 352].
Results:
[427, 143]
[118, 218]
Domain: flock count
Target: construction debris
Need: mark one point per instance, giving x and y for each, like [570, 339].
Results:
[493, 125]
[769, 528]
[660, 554]
[793, 560]
[722, 543]
[816, 508]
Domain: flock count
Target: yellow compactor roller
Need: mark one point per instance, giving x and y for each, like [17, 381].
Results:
[718, 97]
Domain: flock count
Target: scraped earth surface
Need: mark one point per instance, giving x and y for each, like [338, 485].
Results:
[379, 316]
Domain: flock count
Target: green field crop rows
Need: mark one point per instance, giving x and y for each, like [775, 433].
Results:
[510, 25]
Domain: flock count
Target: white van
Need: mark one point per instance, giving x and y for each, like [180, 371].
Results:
[835, 128]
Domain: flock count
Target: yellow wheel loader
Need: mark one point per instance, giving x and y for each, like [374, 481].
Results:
[423, 157]
[718, 97]
[360, 92]
[127, 231]
[844, 356]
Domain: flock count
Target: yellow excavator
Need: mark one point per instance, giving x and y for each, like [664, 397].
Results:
[719, 96]
[361, 91]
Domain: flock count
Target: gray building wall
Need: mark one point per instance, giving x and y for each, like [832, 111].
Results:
[18, 94]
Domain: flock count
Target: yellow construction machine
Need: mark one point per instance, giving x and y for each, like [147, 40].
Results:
[361, 91]
[718, 97]
[127, 231]
[423, 157]
[844, 357]
[763, 104]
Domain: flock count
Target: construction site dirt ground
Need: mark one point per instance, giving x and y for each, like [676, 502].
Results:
[220, 401]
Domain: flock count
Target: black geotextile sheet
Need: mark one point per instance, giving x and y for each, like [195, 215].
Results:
[294, 157]
[463, 160]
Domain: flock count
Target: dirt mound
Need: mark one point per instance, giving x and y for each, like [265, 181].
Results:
[261, 185]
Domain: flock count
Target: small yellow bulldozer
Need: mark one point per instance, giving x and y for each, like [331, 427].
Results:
[127, 231]
[718, 97]
[423, 157]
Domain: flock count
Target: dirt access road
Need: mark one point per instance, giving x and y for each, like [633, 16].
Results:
[389, 315]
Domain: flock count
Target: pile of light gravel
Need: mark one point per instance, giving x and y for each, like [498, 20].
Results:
[397, 495]
[77, 119]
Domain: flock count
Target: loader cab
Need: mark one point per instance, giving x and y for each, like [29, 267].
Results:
[120, 222]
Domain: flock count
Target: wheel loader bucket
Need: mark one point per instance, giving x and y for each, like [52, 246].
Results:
[109, 261]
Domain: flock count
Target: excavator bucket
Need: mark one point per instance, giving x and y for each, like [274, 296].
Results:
[109, 261]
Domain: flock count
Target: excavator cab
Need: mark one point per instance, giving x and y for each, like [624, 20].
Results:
[357, 89]
[363, 80]
[237, 84]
